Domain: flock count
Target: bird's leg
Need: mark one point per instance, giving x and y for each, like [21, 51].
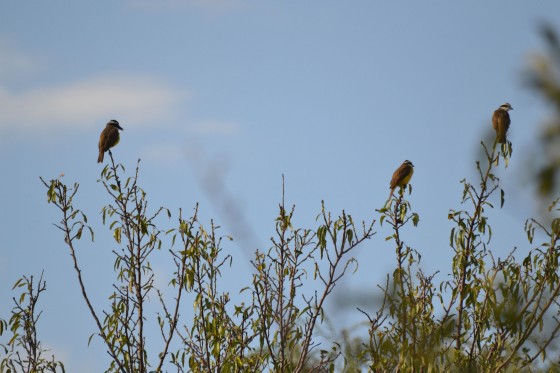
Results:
[401, 193]
[111, 156]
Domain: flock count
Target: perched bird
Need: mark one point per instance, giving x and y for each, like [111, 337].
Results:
[501, 121]
[401, 176]
[109, 137]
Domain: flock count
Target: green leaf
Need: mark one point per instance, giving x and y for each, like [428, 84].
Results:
[415, 219]
[51, 193]
[451, 236]
[90, 338]
[117, 234]
[143, 226]
[555, 225]
[79, 234]
[349, 235]
[92, 234]
[19, 283]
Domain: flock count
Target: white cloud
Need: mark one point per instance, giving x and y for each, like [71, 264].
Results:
[138, 100]
[141, 100]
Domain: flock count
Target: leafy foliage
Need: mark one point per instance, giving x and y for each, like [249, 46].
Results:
[24, 351]
[487, 314]
[275, 331]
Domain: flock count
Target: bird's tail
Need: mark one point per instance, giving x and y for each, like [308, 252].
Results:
[100, 157]
[390, 196]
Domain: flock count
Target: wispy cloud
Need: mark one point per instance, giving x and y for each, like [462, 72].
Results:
[142, 100]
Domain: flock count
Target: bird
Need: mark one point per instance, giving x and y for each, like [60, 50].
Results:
[401, 176]
[109, 137]
[501, 121]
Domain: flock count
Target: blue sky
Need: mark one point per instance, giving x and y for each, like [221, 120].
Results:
[220, 98]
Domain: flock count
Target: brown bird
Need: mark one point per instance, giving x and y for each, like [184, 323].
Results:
[401, 176]
[109, 137]
[501, 121]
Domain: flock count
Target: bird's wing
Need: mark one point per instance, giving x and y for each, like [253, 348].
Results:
[500, 117]
[109, 137]
[401, 172]
[495, 120]
[103, 140]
